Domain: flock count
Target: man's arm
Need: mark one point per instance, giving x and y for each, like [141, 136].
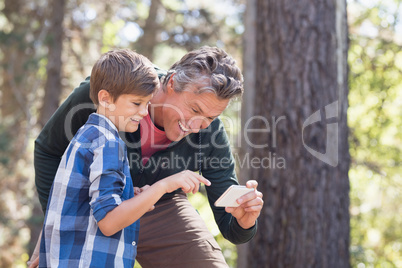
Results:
[240, 226]
[56, 135]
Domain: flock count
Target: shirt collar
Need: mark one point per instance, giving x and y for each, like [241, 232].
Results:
[103, 121]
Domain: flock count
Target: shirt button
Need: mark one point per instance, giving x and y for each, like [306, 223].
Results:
[133, 243]
[165, 164]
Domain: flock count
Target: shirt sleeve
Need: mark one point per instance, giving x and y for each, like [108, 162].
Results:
[220, 170]
[107, 179]
[56, 135]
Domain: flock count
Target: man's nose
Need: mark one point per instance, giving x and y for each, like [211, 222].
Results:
[196, 124]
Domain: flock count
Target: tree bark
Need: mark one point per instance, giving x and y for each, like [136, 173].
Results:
[301, 141]
[53, 85]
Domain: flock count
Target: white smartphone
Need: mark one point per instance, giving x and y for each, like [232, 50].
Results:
[229, 197]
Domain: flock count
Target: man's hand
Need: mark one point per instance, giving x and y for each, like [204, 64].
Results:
[250, 207]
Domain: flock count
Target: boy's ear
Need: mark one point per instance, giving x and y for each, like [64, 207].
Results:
[104, 98]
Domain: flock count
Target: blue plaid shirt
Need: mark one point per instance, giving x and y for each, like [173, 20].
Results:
[92, 179]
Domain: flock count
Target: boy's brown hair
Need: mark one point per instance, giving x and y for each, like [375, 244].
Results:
[122, 71]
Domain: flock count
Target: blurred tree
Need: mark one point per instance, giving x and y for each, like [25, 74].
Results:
[22, 34]
[300, 68]
[189, 25]
[375, 119]
[146, 44]
[37, 71]
[21, 37]
[248, 100]
[54, 62]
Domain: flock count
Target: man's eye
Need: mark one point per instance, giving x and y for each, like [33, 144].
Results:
[194, 110]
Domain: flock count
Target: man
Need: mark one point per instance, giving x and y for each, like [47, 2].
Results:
[182, 132]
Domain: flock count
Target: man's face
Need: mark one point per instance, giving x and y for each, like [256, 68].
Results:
[188, 112]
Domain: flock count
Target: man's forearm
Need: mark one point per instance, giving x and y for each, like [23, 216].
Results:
[237, 235]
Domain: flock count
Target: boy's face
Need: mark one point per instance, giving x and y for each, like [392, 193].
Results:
[127, 111]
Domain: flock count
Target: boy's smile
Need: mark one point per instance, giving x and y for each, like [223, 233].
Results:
[126, 111]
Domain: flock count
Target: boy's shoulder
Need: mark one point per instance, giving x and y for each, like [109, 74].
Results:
[96, 132]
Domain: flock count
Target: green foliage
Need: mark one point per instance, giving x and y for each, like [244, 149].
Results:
[110, 35]
[167, 55]
[190, 24]
[375, 142]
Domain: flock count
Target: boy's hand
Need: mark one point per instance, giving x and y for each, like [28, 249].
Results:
[187, 180]
[138, 190]
[34, 263]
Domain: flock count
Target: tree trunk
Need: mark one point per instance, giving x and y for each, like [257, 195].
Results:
[147, 42]
[53, 83]
[296, 141]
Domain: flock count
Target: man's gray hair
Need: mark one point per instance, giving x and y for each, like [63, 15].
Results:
[210, 69]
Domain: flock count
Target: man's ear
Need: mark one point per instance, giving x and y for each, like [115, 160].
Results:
[104, 98]
[170, 84]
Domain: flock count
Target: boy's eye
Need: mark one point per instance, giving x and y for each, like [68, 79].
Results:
[137, 103]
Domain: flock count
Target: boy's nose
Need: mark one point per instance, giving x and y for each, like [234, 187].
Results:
[143, 112]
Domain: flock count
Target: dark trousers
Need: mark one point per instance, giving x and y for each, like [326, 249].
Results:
[174, 235]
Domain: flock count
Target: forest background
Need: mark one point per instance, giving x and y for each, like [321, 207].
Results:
[48, 47]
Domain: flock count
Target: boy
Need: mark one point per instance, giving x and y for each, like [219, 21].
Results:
[92, 215]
